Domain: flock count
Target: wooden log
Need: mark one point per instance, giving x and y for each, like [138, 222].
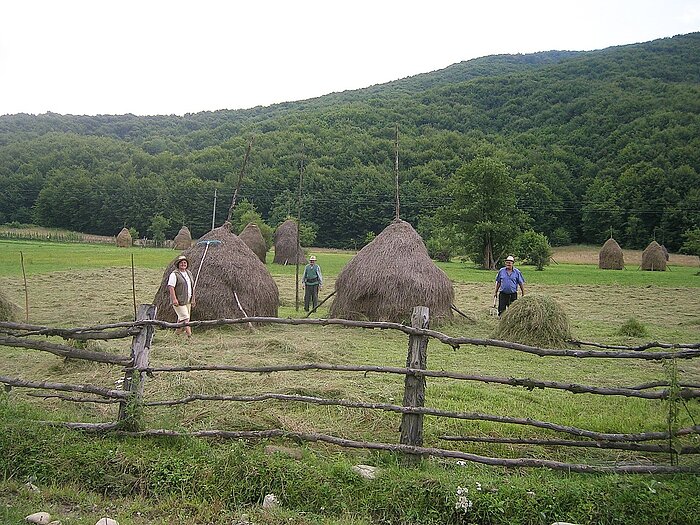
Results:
[348, 443]
[64, 351]
[88, 389]
[414, 384]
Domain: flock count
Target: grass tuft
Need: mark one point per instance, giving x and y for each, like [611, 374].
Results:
[633, 328]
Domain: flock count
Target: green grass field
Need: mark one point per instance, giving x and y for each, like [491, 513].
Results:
[197, 481]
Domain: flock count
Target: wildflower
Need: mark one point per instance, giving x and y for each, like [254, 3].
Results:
[463, 503]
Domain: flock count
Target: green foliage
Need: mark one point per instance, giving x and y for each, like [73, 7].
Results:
[692, 242]
[483, 211]
[245, 213]
[307, 234]
[134, 233]
[158, 226]
[533, 248]
[637, 169]
[560, 237]
[632, 328]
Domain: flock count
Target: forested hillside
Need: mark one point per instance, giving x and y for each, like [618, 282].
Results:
[590, 142]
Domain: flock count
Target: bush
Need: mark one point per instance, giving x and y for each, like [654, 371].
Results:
[632, 328]
[536, 320]
[534, 249]
[560, 237]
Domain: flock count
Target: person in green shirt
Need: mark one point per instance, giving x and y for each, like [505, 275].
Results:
[312, 280]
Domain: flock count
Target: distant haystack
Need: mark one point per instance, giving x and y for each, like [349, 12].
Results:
[229, 266]
[286, 247]
[653, 258]
[663, 247]
[389, 277]
[124, 239]
[9, 311]
[611, 256]
[252, 236]
[183, 239]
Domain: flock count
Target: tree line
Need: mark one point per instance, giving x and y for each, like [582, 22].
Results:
[581, 144]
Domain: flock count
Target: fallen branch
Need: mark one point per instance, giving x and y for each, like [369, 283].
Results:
[527, 383]
[65, 351]
[644, 436]
[637, 447]
[88, 389]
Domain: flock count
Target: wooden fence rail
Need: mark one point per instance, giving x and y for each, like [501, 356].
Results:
[137, 369]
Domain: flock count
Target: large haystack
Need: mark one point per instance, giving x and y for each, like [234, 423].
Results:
[286, 247]
[230, 266]
[183, 239]
[610, 256]
[389, 277]
[124, 239]
[252, 236]
[654, 258]
[536, 320]
[9, 311]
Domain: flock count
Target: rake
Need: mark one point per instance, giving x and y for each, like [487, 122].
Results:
[213, 242]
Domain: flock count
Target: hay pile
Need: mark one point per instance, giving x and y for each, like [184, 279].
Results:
[611, 256]
[286, 247]
[536, 320]
[228, 267]
[124, 239]
[252, 236]
[653, 258]
[183, 239]
[389, 277]
[9, 311]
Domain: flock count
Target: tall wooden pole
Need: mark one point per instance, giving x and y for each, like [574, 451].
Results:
[213, 212]
[133, 284]
[240, 179]
[396, 169]
[26, 293]
[301, 183]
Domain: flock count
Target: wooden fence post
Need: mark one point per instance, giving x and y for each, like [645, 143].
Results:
[134, 380]
[414, 389]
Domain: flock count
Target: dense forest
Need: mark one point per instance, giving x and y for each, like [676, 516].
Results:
[587, 143]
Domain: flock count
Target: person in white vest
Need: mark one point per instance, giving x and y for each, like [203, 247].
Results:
[180, 288]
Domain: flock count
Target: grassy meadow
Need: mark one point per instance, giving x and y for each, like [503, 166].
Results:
[167, 480]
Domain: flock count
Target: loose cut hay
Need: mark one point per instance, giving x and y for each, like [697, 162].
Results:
[389, 277]
[611, 256]
[183, 239]
[124, 239]
[230, 266]
[536, 320]
[286, 247]
[252, 236]
[9, 311]
[653, 258]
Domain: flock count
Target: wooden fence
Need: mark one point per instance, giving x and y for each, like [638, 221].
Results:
[137, 369]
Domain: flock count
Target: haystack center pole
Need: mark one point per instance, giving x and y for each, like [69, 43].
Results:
[240, 179]
[301, 182]
[396, 169]
[213, 213]
[26, 293]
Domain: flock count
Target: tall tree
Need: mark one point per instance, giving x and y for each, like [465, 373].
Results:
[483, 210]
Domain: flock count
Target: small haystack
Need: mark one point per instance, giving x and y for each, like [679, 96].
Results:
[124, 239]
[229, 266]
[252, 236]
[653, 258]
[389, 277]
[9, 311]
[536, 320]
[611, 256]
[183, 239]
[286, 247]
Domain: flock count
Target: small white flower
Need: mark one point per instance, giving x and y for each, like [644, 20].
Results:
[461, 463]
[478, 486]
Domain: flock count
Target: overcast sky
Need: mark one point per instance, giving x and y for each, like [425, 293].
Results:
[153, 57]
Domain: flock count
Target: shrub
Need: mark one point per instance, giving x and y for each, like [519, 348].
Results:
[533, 248]
[536, 320]
[560, 237]
[632, 328]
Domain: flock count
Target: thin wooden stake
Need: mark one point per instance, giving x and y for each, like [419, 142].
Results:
[133, 284]
[240, 179]
[301, 183]
[396, 170]
[213, 212]
[26, 293]
[414, 385]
